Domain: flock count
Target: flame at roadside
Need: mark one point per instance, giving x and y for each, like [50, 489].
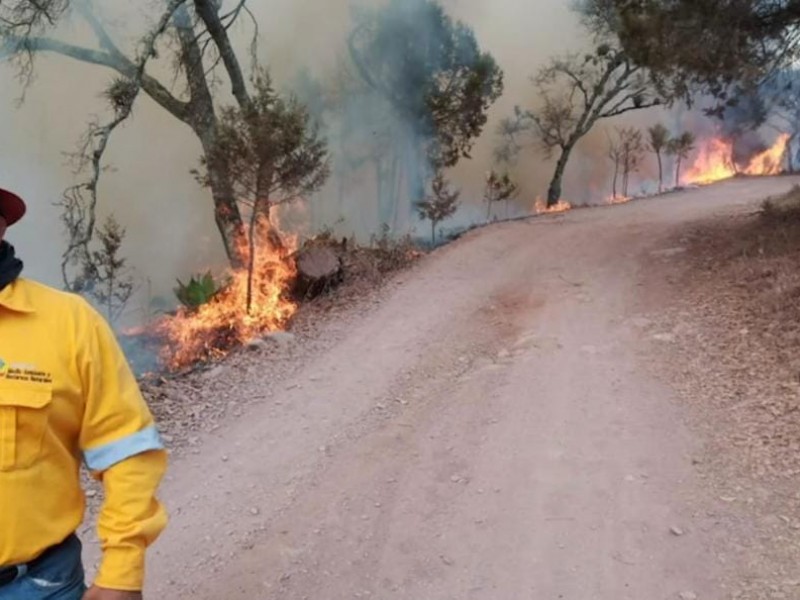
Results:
[715, 162]
[213, 329]
[540, 207]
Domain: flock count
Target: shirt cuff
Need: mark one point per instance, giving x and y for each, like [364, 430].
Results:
[122, 568]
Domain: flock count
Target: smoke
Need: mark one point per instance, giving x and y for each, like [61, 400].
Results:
[169, 218]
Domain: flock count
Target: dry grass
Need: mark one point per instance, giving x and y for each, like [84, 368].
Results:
[737, 308]
[370, 263]
[744, 286]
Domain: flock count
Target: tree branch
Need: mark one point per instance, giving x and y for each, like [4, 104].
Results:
[648, 104]
[192, 60]
[577, 84]
[14, 45]
[208, 13]
[629, 97]
[79, 213]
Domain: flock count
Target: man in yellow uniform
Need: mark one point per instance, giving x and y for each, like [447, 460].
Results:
[66, 395]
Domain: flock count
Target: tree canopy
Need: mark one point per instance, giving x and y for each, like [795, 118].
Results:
[574, 93]
[705, 45]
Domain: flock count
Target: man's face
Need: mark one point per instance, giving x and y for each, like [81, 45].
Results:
[3, 227]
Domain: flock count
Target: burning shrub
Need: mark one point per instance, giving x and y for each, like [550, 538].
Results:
[716, 161]
[274, 155]
[212, 329]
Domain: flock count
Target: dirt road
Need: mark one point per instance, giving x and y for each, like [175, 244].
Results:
[489, 430]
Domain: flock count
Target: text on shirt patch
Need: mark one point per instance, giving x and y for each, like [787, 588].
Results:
[25, 373]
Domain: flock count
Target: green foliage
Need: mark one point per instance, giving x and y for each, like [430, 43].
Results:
[441, 204]
[199, 290]
[273, 154]
[272, 151]
[682, 145]
[709, 45]
[573, 93]
[104, 274]
[499, 188]
[625, 151]
[658, 137]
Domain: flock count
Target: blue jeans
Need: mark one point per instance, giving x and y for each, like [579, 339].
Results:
[59, 576]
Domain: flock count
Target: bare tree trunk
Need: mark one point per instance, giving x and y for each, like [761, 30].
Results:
[614, 181]
[554, 192]
[226, 214]
[110, 299]
[678, 173]
[202, 118]
[387, 177]
[660, 173]
[625, 176]
[433, 233]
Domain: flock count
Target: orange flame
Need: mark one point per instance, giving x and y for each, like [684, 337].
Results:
[618, 199]
[213, 329]
[540, 207]
[715, 162]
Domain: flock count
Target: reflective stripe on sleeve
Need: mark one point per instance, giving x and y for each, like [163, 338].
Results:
[105, 457]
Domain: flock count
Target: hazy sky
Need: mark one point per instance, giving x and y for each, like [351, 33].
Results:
[150, 188]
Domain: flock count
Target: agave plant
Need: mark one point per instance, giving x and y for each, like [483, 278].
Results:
[199, 290]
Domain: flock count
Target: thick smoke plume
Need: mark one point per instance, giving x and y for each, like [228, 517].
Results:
[169, 218]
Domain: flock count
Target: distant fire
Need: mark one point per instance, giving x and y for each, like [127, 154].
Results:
[618, 199]
[540, 207]
[213, 329]
[715, 162]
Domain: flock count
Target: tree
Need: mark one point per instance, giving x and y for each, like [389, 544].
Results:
[499, 188]
[434, 76]
[658, 138]
[709, 45]
[631, 150]
[615, 154]
[105, 275]
[575, 93]
[190, 36]
[273, 155]
[680, 147]
[441, 204]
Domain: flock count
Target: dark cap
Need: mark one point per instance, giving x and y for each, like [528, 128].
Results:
[12, 208]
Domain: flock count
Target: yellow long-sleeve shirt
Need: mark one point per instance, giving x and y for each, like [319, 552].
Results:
[66, 395]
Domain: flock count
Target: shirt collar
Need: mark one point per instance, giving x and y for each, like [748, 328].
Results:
[15, 296]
